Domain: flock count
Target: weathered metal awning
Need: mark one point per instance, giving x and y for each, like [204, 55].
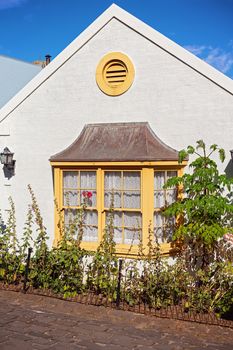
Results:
[116, 142]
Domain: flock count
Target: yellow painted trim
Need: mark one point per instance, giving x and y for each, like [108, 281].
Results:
[125, 250]
[99, 199]
[110, 165]
[101, 79]
[147, 204]
[57, 198]
[147, 198]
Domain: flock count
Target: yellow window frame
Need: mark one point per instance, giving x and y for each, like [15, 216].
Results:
[146, 169]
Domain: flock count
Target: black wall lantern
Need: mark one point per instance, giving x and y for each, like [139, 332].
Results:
[7, 160]
[232, 154]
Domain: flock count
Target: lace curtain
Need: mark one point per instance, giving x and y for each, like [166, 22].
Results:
[75, 186]
[122, 189]
[70, 188]
[127, 226]
[90, 223]
[163, 227]
[80, 186]
[161, 196]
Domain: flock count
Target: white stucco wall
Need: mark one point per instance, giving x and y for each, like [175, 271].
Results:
[180, 104]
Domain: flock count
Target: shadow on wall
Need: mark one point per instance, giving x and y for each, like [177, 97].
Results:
[8, 172]
[229, 169]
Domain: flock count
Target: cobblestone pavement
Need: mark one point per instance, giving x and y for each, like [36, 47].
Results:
[31, 322]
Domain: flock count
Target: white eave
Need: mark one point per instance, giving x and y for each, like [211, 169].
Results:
[137, 25]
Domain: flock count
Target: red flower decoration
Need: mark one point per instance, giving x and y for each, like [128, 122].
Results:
[87, 194]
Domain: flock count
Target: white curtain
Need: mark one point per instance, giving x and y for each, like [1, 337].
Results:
[88, 180]
[70, 179]
[73, 187]
[124, 190]
[158, 227]
[132, 227]
[163, 228]
[70, 216]
[88, 184]
[112, 186]
[159, 181]
[161, 196]
[117, 223]
[112, 180]
[171, 193]
[130, 222]
[70, 188]
[132, 180]
[90, 223]
[90, 233]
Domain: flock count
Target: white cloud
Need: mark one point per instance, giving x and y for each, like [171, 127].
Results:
[220, 59]
[195, 49]
[217, 57]
[6, 4]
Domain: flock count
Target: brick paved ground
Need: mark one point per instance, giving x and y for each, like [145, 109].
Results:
[31, 322]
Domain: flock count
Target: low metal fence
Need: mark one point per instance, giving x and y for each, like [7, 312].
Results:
[116, 298]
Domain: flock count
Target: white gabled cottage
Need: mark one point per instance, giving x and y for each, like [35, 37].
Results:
[119, 70]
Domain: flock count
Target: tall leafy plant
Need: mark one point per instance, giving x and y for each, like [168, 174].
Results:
[205, 211]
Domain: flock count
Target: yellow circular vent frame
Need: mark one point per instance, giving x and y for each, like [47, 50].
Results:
[115, 73]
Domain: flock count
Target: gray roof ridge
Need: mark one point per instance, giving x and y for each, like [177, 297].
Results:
[20, 60]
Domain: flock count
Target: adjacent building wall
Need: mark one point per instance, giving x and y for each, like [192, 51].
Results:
[14, 75]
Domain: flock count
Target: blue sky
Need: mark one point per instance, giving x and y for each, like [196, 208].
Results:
[29, 29]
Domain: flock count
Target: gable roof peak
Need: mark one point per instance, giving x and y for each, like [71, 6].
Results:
[114, 11]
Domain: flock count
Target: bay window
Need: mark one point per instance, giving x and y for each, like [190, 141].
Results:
[132, 198]
[116, 173]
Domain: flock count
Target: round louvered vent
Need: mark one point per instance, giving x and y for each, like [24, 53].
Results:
[114, 74]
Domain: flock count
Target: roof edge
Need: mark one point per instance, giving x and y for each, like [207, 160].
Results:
[139, 26]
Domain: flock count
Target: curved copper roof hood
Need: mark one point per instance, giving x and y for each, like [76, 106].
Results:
[113, 142]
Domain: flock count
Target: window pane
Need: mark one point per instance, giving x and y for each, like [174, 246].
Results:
[112, 180]
[117, 223]
[132, 219]
[88, 198]
[158, 219]
[90, 224]
[70, 216]
[91, 217]
[90, 229]
[70, 179]
[118, 235]
[170, 227]
[171, 196]
[70, 198]
[90, 234]
[117, 218]
[158, 227]
[132, 236]
[132, 200]
[88, 180]
[132, 227]
[159, 199]
[112, 199]
[132, 180]
[171, 174]
[159, 180]
[163, 228]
